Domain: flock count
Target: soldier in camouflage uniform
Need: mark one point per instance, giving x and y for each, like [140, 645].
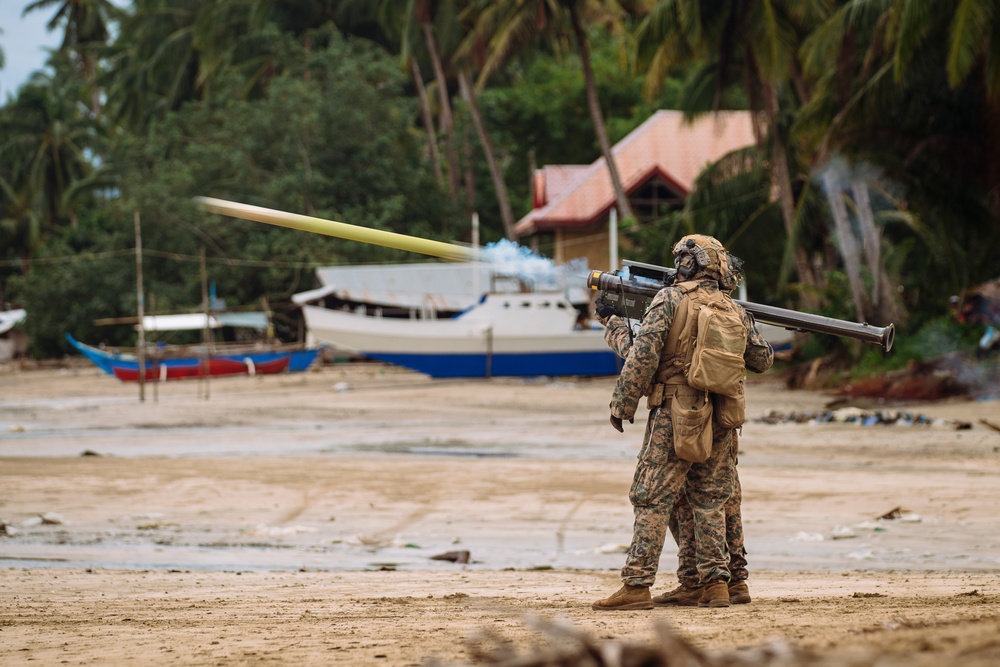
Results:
[661, 478]
[681, 527]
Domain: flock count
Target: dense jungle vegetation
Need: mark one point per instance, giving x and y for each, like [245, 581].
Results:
[873, 192]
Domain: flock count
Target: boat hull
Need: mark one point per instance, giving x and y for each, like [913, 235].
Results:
[125, 367]
[511, 335]
[449, 365]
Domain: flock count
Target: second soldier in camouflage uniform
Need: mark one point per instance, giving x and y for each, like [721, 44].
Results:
[681, 526]
[661, 478]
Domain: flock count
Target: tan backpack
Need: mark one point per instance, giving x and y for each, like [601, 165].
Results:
[711, 341]
[716, 363]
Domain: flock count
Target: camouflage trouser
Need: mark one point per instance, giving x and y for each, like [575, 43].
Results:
[661, 482]
[682, 528]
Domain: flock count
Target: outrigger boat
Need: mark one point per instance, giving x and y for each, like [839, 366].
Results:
[179, 362]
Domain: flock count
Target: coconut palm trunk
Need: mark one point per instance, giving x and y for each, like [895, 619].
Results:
[445, 116]
[425, 114]
[624, 207]
[503, 198]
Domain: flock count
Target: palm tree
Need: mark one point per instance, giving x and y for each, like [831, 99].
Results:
[412, 22]
[86, 26]
[872, 107]
[503, 198]
[973, 52]
[509, 26]
[47, 151]
[172, 51]
[752, 45]
[419, 15]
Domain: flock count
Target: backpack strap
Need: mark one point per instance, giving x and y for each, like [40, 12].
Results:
[675, 356]
[672, 360]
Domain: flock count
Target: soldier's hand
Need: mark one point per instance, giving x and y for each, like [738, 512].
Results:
[617, 423]
[604, 310]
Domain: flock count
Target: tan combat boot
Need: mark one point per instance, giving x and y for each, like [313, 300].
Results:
[715, 594]
[682, 596]
[627, 598]
[738, 593]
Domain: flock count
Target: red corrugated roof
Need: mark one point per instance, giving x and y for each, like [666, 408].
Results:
[667, 145]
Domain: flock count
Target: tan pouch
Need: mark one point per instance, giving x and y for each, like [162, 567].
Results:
[730, 411]
[691, 414]
[656, 396]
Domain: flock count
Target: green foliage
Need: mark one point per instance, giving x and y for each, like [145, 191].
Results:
[292, 150]
[78, 276]
[272, 103]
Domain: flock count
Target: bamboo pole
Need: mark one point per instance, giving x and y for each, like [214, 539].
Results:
[140, 351]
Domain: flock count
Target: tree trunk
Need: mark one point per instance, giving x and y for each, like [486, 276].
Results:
[468, 173]
[885, 307]
[782, 178]
[848, 244]
[446, 118]
[624, 208]
[425, 114]
[503, 199]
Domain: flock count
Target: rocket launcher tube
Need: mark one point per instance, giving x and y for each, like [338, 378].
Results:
[341, 230]
[630, 297]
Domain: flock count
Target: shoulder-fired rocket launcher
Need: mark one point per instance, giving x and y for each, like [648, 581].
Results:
[630, 290]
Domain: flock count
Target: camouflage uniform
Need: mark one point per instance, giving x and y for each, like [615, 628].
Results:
[681, 527]
[661, 478]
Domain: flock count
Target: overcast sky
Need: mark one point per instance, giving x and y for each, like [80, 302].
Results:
[23, 41]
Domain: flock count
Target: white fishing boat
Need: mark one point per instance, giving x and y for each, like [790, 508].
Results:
[458, 320]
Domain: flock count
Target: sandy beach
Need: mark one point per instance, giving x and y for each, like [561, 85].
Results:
[296, 519]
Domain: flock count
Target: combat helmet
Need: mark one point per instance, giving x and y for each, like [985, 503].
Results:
[698, 255]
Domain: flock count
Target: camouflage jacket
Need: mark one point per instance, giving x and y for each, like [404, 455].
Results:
[642, 357]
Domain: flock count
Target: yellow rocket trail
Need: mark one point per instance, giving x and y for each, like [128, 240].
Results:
[341, 230]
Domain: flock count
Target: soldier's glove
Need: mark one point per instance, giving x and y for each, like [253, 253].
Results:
[604, 310]
[617, 423]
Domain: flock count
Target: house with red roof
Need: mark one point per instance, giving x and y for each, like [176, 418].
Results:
[571, 215]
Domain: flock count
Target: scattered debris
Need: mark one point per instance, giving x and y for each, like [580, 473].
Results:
[894, 513]
[901, 515]
[986, 422]
[853, 415]
[973, 593]
[341, 387]
[868, 595]
[7, 530]
[374, 541]
[612, 548]
[274, 531]
[807, 537]
[563, 645]
[48, 519]
[873, 526]
[89, 452]
[843, 533]
[453, 556]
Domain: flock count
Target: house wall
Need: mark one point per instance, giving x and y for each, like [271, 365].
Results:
[590, 243]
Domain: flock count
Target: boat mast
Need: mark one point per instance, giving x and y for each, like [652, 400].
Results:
[206, 331]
